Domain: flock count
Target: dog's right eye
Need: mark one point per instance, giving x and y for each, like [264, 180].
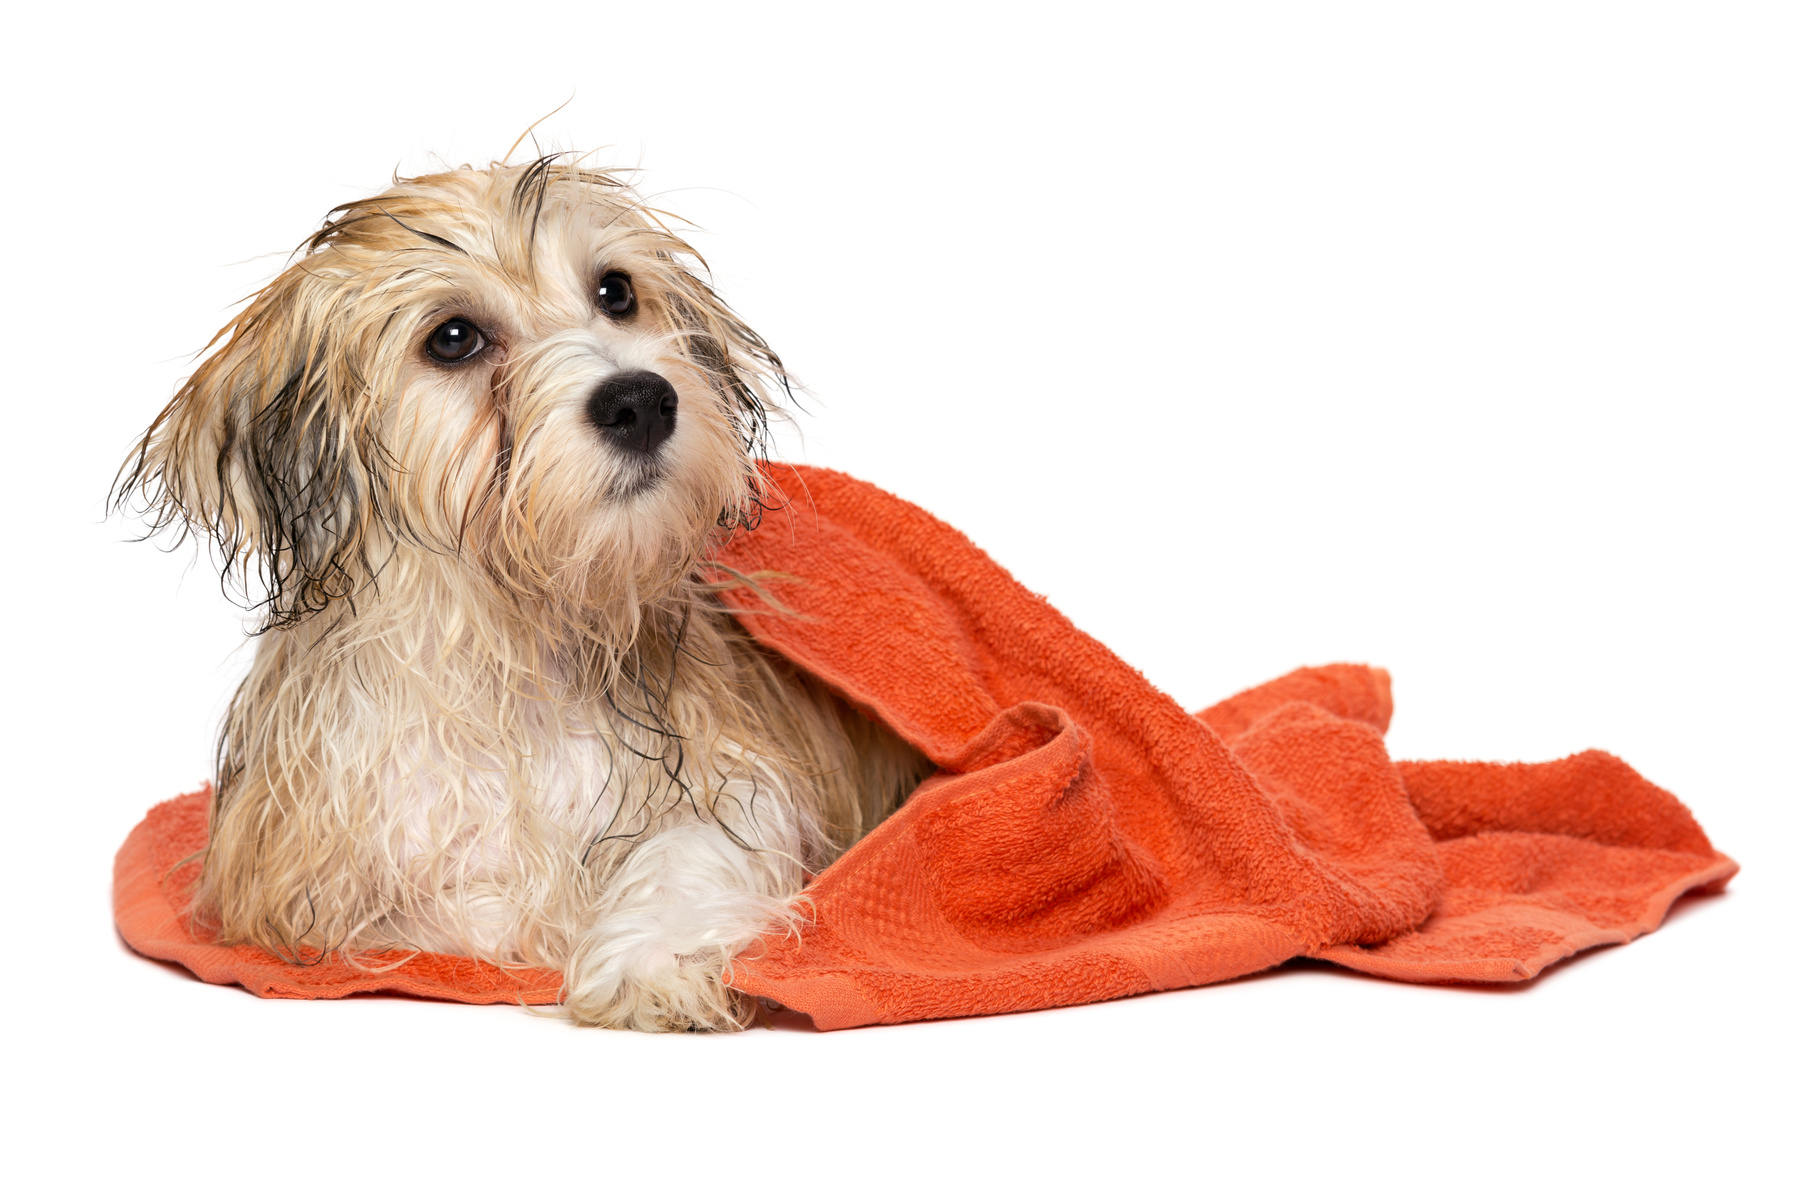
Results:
[454, 340]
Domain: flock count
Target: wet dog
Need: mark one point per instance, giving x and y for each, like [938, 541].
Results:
[467, 457]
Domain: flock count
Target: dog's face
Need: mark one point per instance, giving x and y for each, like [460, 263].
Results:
[511, 371]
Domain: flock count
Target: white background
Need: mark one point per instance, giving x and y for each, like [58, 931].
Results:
[1457, 340]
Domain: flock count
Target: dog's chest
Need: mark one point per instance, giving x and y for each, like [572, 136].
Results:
[480, 786]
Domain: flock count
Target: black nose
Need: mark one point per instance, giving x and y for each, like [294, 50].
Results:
[634, 410]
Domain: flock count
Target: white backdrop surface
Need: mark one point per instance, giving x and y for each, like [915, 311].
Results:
[1456, 340]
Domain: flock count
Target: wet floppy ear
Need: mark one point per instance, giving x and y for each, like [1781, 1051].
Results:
[740, 366]
[268, 451]
[739, 363]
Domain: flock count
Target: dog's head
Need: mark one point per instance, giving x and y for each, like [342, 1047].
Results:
[516, 370]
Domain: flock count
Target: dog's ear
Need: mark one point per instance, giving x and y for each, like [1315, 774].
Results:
[270, 451]
[740, 367]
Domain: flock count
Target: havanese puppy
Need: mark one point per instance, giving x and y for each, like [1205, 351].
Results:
[467, 456]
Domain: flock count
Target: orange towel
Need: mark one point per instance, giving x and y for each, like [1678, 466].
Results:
[1086, 838]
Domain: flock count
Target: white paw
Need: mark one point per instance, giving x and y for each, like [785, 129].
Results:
[659, 955]
[653, 988]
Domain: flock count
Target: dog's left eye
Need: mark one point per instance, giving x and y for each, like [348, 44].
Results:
[615, 294]
[454, 340]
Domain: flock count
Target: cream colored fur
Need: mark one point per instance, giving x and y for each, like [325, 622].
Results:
[498, 706]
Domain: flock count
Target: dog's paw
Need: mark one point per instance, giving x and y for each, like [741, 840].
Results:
[680, 909]
[651, 987]
[669, 967]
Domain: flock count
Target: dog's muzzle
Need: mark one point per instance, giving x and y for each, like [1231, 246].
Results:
[634, 410]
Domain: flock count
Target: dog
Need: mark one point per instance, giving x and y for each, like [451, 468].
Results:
[466, 459]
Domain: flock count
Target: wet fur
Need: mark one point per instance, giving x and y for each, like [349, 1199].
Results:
[498, 705]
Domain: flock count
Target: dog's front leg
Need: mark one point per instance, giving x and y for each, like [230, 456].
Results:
[679, 908]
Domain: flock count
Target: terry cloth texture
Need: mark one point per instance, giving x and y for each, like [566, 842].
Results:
[1085, 838]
